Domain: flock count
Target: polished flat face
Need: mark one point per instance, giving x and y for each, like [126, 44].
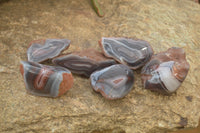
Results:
[84, 62]
[113, 82]
[166, 71]
[134, 53]
[46, 49]
[43, 80]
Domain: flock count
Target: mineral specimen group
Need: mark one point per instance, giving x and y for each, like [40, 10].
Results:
[163, 72]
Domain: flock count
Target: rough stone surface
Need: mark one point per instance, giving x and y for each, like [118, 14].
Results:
[162, 23]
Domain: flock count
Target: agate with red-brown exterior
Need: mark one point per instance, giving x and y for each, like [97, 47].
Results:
[113, 82]
[43, 80]
[132, 52]
[41, 50]
[84, 62]
[165, 72]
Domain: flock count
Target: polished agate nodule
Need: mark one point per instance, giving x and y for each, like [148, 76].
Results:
[134, 53]
[41, 50]
[84, 62]
[166, 71]
[43, 80]
[113, 82]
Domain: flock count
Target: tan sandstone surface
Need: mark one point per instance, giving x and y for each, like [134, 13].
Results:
[163, 23]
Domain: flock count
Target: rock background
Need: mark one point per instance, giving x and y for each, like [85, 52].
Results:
[163, 23]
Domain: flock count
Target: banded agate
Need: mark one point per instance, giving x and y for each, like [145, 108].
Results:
[165, 72]
[113, 82]
[41, 50]
[84, 62]
[134, 53]
[43, 80]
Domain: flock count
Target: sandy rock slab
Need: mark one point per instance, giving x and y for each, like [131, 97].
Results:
[162, 23]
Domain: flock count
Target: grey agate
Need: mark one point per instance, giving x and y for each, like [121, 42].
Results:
[131, 52]
[41, 50]
[113, 82]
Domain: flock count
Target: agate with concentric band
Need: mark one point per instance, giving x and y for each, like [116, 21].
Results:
[84, 62]
[113, 82]
[41, 50]
[43, 80]
[165, 72]
[131, 52]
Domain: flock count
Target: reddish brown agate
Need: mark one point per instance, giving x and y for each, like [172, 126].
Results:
[43, 80]
[66, 84]
[113, 82]
[41, 50]
[84, 62]
[131, 52]
[165, 71]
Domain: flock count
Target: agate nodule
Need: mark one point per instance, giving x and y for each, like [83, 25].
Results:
[113, 82]
[166, 71]
[84, 62]
[41, 50]
[43, 80]
[134, 53]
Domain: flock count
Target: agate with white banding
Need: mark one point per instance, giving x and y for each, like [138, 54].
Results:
[84, 62]
[134, 53]
[166, 71]
[43, 80]
[113, 82]
[41, 50]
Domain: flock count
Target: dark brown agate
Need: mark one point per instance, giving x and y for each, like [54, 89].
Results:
[84, 62]
[165, 71]
[113, 82]
[41, 50]
[43, 80]
[134, 53]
